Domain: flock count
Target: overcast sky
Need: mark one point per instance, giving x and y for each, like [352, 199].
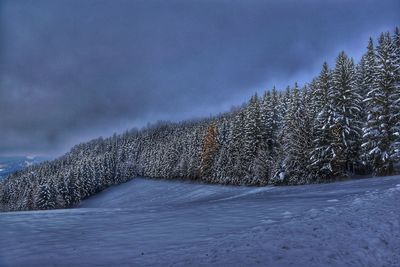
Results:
[74, 70]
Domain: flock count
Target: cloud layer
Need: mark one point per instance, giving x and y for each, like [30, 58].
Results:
[74, 70]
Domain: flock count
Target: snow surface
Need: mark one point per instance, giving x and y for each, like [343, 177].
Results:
[168, 223]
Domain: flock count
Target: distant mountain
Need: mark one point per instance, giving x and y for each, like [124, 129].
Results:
[12, 164]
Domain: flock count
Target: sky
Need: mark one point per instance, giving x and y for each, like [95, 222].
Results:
[73, 70]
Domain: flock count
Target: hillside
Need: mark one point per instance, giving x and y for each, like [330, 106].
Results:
[163, 223]
[344, 122]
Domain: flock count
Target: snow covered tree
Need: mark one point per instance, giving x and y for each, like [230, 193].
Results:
[45, 197]
[73, 189]
[322, 155]
[270, 118]
[63, 195]
[210, 147]
[345, 116]
[251, 137]
[222, 160]
[195, 152]
[265, 115]
[381, 134]
[297, 143]
[269, 126]
[396, 40]
[234, 167]
[368, 69]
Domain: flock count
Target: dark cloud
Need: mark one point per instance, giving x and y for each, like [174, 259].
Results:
[74, 70]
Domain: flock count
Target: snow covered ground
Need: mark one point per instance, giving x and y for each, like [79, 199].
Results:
[168, 223]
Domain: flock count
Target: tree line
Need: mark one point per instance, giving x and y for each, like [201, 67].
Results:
[346, 121]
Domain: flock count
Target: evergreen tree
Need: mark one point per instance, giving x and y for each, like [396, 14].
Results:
[366, 80]
[298, 143]
[234, 168]
[45, 197]
[323, 155]
[382, 132]
[73, 190]
[251, 137]
[368, 69]
[346, 114]
[269, 126]
[210, 147]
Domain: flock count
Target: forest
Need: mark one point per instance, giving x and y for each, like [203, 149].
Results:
[344, 122]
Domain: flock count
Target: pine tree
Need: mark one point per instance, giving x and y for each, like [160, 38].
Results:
[368, 66]
[73, 190]
[195, 152]
[265, 115]
[251, 137]
[45, 197]
[397, 94]
[234, 167]
[210, 148]
[298, 142]
[222, 157]
[269, 126]
[346, 128]
[63, 193]
[382, 132]
[366, 72]
[272, 119]
[322, 154]
[396, 40]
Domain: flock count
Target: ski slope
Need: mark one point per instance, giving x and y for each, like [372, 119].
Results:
[148, 222]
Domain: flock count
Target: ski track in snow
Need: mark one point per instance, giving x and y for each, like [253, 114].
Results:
[149, 222]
